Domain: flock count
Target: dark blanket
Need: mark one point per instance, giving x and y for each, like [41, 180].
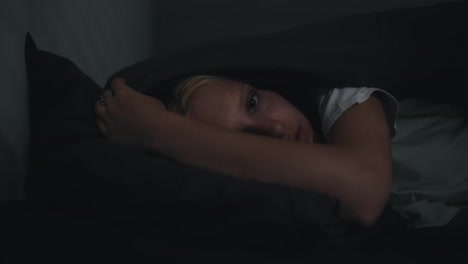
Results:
[411, 52]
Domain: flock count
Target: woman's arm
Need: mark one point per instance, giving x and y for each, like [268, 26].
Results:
[363, 131]
[355, 168]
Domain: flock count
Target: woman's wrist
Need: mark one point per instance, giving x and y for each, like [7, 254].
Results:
[162, 132]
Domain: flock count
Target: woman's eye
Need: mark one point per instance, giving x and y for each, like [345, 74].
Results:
[252, 104]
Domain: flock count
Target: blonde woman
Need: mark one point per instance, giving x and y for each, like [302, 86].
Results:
[233, 128]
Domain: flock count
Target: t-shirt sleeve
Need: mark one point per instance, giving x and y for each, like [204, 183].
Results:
[333, 103]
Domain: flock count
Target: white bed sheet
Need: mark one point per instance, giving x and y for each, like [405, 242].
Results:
[430, 168]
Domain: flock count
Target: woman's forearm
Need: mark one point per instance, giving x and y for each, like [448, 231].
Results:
[329, 169]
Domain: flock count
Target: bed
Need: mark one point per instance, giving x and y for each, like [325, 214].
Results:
[103, 37]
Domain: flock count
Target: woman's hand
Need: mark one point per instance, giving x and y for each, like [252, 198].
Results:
[128, 116]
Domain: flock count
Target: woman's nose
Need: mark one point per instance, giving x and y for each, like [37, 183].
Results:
[272, 128]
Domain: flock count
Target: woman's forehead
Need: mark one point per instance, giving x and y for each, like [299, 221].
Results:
[218, 101]
[223, 92]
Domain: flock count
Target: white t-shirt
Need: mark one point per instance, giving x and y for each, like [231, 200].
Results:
[335, 102]
[421, 183]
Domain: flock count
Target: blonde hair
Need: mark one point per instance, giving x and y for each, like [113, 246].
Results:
[183, 91]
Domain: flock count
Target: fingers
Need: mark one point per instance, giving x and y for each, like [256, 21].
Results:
[101, 116]
[106, 106]
[102, 127]
[100, 108]
[106, 93]
[106, 103]
[119, 86]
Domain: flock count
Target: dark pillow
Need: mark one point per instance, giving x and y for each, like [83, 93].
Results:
[61, 99]
[75, 170]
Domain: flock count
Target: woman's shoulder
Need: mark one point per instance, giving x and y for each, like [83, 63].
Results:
[332, 103]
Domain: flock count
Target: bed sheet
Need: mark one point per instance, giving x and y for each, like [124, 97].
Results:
[430, 172]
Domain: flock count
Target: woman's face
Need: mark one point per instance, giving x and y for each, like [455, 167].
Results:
[238, 106]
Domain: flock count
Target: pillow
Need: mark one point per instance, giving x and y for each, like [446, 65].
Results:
[74, 170]
[59, 113]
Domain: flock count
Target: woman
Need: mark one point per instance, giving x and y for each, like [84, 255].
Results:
[354, 167]
[232, 127]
